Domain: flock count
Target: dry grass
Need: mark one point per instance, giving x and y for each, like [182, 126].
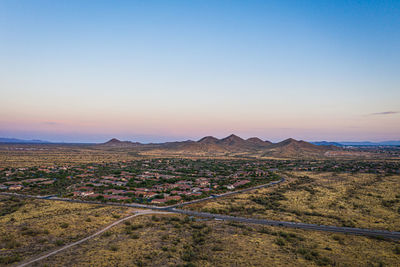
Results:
[355, 200]
[36, 155]
[29, 227]
[173, 241]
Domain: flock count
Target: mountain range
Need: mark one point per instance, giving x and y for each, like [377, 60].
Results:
[231, 145]
[21, 141]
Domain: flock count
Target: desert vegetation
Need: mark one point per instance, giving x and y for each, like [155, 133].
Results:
[30, 227]
[172, 240]
[343, 199]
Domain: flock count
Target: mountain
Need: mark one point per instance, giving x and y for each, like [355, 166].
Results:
[258, 142]
[293, 148]
[232, 141]
[22, 141]
[208, 140]
[230, 145]
[117, 143]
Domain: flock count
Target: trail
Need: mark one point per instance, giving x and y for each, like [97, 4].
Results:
[39, 258]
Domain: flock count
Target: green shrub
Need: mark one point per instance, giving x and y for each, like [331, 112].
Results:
[280, 242]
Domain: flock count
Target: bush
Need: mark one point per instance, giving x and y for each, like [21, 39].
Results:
[188, 255]
[134, 236]
[280, 242]
[9, 259]
[64, 225]
[107, 234]
[217, 248]
[30, 232]
[323, 261]
[59, 242]
[10, 244]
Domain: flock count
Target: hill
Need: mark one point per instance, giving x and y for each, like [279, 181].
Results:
[228, 146]
[293, 148]
[117, 143]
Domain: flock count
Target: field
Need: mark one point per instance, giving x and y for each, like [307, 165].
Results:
[12, 155]
[356, 199]
[343, 199]
[30, 227]
[173, 240]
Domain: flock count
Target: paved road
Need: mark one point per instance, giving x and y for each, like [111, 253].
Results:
[174, 209]
[306, 226]
[226, 194]
[142, 212]
[142, 206]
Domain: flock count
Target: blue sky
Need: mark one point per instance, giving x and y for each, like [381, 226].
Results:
[166, 70]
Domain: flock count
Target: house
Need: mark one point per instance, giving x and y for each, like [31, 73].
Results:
[115, 192]
[47, 182]
[159, 200]
[15, 187]
[116, 197]
[177, 198]
[83, 193]
[242, 182]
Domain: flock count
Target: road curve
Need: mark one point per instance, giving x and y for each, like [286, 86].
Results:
[174, 209]
[136, 205]
[306, 226]
[226, 194]
[89, 237]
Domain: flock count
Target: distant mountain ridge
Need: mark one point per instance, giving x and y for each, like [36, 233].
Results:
[230, 144]
[22, 141]
[362, 143]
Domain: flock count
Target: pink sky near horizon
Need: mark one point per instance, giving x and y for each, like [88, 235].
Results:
[159, 71]
[165, 127]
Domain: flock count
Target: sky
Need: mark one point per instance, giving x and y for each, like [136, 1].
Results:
[153, 71]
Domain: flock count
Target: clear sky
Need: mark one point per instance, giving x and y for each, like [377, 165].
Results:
[175, 70]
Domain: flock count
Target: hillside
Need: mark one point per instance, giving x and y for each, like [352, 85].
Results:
[293, 148]
[230, 145]
[117, 143]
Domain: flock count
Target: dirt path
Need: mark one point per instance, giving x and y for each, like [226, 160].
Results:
[138, 213]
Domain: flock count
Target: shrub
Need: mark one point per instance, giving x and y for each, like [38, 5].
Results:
[64, 225]
[217, 248]
[134, 236]
[323, 261]
[10, 244]
[9, 259]
[280, 242]
[188, 255]
[107, 234]
[59, 242]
